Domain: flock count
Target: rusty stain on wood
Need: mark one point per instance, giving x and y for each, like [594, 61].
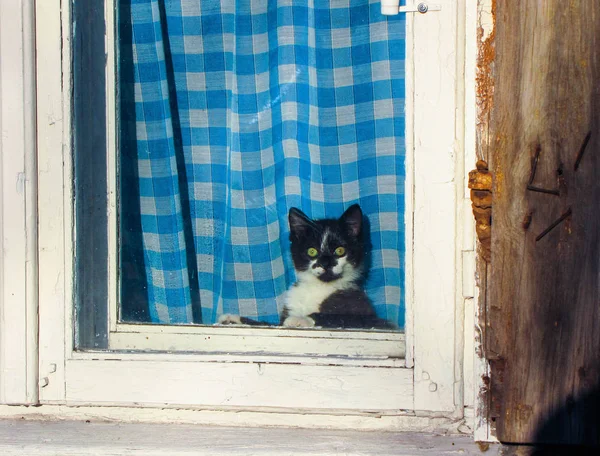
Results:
[484, 80]
[483, 446]
[527, 220]
[534, 163]
[480, 183]
[484, 96]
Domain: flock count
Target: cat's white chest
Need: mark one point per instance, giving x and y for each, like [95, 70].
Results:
[307, 295]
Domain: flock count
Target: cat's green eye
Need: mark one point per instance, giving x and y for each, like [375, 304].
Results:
[340, 251]
[312, 252]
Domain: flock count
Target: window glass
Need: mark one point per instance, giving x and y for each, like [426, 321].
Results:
[228, 115]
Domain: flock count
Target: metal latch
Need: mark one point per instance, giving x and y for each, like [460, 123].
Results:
[392, 7]
[420, 8]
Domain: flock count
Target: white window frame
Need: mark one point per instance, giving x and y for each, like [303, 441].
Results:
[18, 206]
[428, 379]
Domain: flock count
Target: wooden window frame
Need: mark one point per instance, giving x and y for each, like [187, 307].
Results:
[428, 380]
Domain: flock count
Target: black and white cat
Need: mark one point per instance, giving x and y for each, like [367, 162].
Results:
[328, 257]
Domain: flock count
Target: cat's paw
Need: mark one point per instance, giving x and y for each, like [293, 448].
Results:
[229, 319]
[299, 322]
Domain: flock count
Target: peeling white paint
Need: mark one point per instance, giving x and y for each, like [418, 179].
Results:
[27, 437]
[20, 187]
[18, 267]
[248, 418]
[485, 18]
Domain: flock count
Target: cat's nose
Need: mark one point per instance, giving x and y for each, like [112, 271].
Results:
[325, 262]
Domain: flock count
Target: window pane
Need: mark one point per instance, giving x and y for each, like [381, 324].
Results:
[227, 117]
[230, 115]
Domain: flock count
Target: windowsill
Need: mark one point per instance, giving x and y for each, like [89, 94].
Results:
[239, 339]
[25, 437]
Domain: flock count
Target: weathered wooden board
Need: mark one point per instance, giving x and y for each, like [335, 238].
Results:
[79, 438]
[238, 384]
[544, 301]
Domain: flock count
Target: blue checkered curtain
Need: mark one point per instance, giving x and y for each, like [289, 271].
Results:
[232, 112]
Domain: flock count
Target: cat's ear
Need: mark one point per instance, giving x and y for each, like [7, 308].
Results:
[299, 222]
[352, 219]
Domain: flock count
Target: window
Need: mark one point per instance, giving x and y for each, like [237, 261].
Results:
[191, 232]
[199, 366]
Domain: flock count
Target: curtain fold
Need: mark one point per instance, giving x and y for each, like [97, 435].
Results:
[230, 114]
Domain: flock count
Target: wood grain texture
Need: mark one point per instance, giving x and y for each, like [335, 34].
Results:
[54, 207]
[261, 417]
[434, 216]
[240, 339]
[79, 438]
[18, 198]
[544, 315]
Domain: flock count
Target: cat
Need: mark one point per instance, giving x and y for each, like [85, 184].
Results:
[328, 256]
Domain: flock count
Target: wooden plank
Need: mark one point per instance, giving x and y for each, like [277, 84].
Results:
[436, 345]
[240, 344]
[256, 358]
[18, 195]
[544, 135]
[80, 438]
[263, 417]
[484, 95]
[223, 339]
[158, 383]
[54, 192]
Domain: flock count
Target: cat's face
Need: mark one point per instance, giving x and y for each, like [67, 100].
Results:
[328, 249]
